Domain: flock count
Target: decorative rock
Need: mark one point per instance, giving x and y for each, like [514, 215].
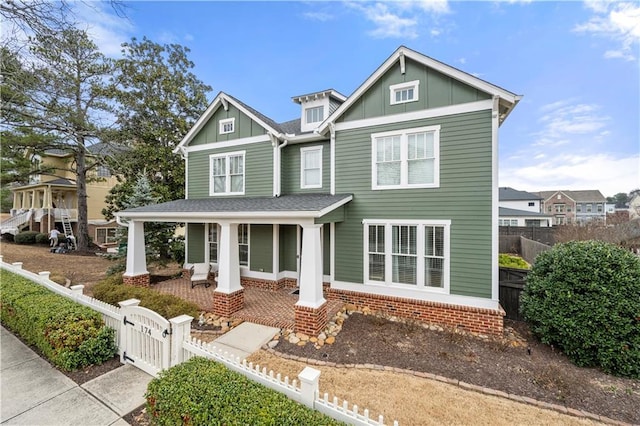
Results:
[330, 340]
[302, 336]
[302, 343]
[322, 336]
[293, 339]
[272, 344]
[313, 339]
[350, 307]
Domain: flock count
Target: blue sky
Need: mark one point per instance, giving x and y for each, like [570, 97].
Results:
[576, 63]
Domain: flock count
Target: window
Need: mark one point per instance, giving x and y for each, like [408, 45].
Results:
[314, 114]
[406, 159]
[589, 208]
[227, 125]
[227, 174]
[404, 92]
[531, 204]
[103, 171]
[213, 242]
[579, 208]
[599, 208]
[311, 167]
[559, 208]
[243, 244]
[413, 254]
[105, 235]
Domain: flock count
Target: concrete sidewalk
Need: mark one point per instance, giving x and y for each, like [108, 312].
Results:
[32, 392]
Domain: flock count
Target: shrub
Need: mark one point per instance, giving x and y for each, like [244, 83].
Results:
[512, 261]
[584, 298]
[8, 237]
[26, 237]
[204, 392]
[167, 305]
[71, 336]
[42, 238]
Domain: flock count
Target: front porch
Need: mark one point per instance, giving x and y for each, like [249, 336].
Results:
[274, 308]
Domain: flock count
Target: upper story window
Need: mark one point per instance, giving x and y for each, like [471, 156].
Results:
[404, 92]
[531, 204]
[227, 173]
[589, 208]
[314, 114]
[311, 167]
[103, 171]
[599, 208]
[579, 208]
[406, 158]
[227, 125]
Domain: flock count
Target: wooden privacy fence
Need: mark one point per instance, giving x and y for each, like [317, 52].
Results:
[511, 285]
[152, 343]
[531, 249]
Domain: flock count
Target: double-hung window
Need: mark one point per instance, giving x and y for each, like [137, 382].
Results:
[213, 239]
[311, 167]
[243, 243]
[314, 114]
[411, 254]
[227, 174]
[213, 242]
[406, 158]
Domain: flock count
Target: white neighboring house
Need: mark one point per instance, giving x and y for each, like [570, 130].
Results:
[634, 207]
[521, 208]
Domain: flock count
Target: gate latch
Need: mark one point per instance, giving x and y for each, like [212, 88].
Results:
[127, 322]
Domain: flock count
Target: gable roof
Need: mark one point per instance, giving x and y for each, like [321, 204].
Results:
[507, 212]
[589, 195]
[509, 194]
[332, 93]
[221, 100]
[508, 100]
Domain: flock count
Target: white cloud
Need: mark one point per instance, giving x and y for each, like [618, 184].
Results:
[106, 28]
[562, 121]
[400, 19]
[318, 16]
[608, 173]
[617, 21]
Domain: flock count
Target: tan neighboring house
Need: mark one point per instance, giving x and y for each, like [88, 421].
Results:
[574, 207]
[50, 199]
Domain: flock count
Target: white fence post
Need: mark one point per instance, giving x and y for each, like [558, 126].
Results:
[44, 274]
[124, 305]
[180, 330]
[309, 378]
[17, 265]
[77, 290]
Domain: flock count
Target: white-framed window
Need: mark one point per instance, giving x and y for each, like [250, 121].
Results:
[243, 243]
[103, 171]
[227, 173]
[531, 204]
[105, 235]
[311, 167]
[314, 114]
[213, 239]
[413, 254]
[404, 92]
[406, 158]
[227, 125]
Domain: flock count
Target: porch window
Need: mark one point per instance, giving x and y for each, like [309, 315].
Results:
[105, 235]
[406, 158]
[227, 173]
[311, 167]
[213, 242]
[243, 243]
[408, 253]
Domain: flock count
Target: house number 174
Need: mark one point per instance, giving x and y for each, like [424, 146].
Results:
[145, 329]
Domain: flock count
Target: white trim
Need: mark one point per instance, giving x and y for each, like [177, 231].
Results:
[404, 173]
[226, 156]
[415, 85]
[420, 254]
[275, 247]
[332, 158]
[227, 144]
[417, 115]
[495, 200]
[303, 152]
[332, 250]
[223, 122]
[383, 290]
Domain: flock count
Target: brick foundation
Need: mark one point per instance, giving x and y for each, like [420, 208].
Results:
[143, 280]
[310, 321]
[226, 304]
[476, 320]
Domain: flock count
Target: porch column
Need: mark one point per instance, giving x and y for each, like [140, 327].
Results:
[136, 273]
[311, 308]
[228, 296]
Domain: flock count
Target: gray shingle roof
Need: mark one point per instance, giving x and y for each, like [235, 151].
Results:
[589, 195]
[291, 127]
[509, 194]
[284, 203]
[507, 212]
[258, 114]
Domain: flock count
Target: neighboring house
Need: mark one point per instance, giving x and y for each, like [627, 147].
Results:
[521, 208]
[575, 207]
[50, 199]
[634, 206]
[389, 197]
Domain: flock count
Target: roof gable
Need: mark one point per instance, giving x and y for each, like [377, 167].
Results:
[509, 194]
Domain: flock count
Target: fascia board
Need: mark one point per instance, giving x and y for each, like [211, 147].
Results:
[334, 206]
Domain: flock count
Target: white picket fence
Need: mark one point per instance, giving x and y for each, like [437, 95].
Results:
[304, 390]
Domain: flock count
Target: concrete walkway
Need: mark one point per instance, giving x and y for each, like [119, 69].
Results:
[32, 392]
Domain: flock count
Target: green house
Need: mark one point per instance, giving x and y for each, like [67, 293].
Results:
[388, 196]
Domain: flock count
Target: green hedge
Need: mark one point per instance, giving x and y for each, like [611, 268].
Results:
[70, 335]
[512, 261]
[584, 298]
[204, 392]
[26, 237]
[113, 291]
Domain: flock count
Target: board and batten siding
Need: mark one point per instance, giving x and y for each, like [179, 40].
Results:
[464, 197]
[196, 240]
[244, 127]
[261, 248]
[435, 90]
[291, 159]
[258, 170]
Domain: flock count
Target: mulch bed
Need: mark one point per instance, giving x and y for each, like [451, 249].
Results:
[520, 365]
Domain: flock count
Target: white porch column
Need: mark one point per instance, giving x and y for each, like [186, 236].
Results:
[136, 257]
[228, 259]
[311, 268]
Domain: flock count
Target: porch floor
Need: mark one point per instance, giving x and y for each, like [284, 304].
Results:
[274, 308]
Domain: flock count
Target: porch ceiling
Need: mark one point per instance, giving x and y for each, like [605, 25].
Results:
[303, 206]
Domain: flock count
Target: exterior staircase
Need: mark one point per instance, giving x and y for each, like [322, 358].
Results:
[14, 224]
[66, 226]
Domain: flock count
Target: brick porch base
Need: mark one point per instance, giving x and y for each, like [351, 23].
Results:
[143, 280]
[477, 320]
[311, 321]
[226, 304]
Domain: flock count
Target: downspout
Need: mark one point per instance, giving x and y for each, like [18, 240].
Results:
[332, 157]
[495, 124]
[277, 160]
